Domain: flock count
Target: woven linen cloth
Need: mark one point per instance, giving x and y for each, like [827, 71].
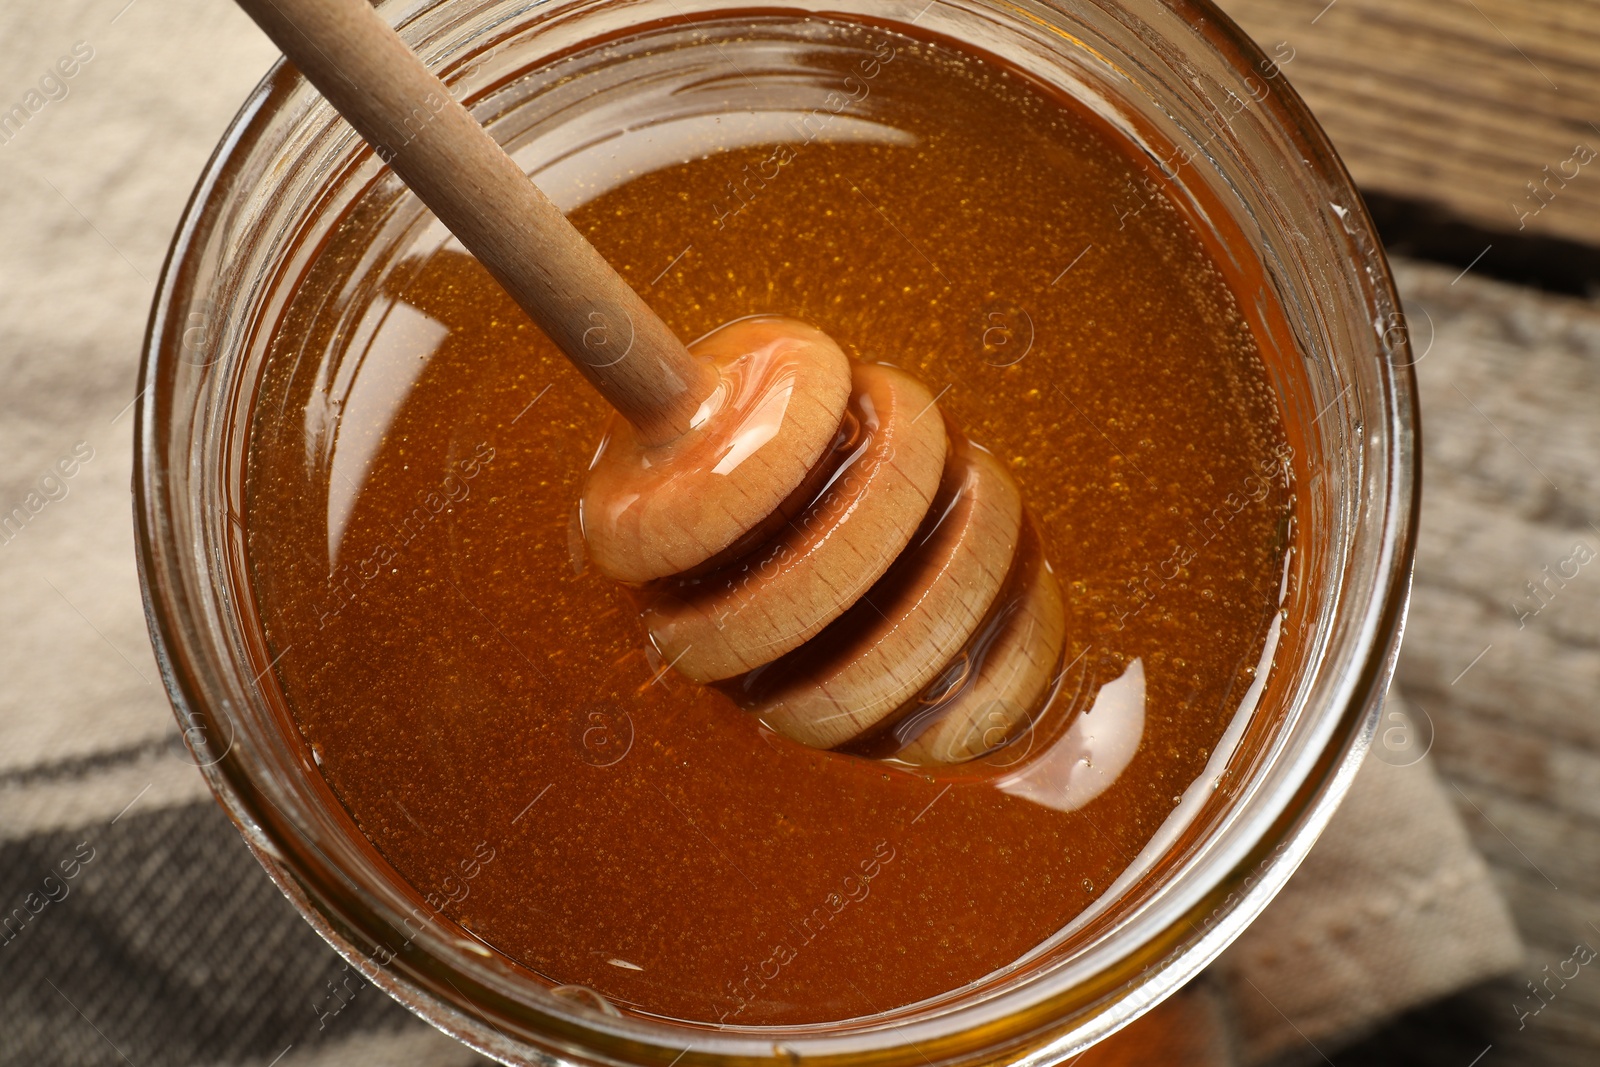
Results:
[166, 944]
[1393, 908]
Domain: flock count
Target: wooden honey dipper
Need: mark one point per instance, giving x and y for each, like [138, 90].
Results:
[804, 530]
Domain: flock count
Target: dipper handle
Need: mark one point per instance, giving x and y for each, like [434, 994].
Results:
[408, 116]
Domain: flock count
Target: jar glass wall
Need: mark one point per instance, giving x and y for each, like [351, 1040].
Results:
[1251, 169]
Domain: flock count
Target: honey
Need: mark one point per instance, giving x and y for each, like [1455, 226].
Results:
[485, 705]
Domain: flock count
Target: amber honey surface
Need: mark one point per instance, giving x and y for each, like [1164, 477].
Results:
[485, 705]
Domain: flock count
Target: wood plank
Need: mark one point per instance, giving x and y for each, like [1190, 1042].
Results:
[1526, 836]
[1509, 758]
[1567, 1028]
[1463, 654]
[1509, 385]
[1554, 920]
[1461, 102]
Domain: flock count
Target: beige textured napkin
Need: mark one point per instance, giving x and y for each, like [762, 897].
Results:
[1393, 908]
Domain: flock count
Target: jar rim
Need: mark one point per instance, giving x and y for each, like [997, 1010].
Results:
[183, 603]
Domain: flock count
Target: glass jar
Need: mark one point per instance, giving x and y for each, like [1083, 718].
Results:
[1244, 157]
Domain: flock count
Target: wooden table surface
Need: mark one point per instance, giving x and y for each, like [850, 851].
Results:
[1463, 103]
[1457, 105]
